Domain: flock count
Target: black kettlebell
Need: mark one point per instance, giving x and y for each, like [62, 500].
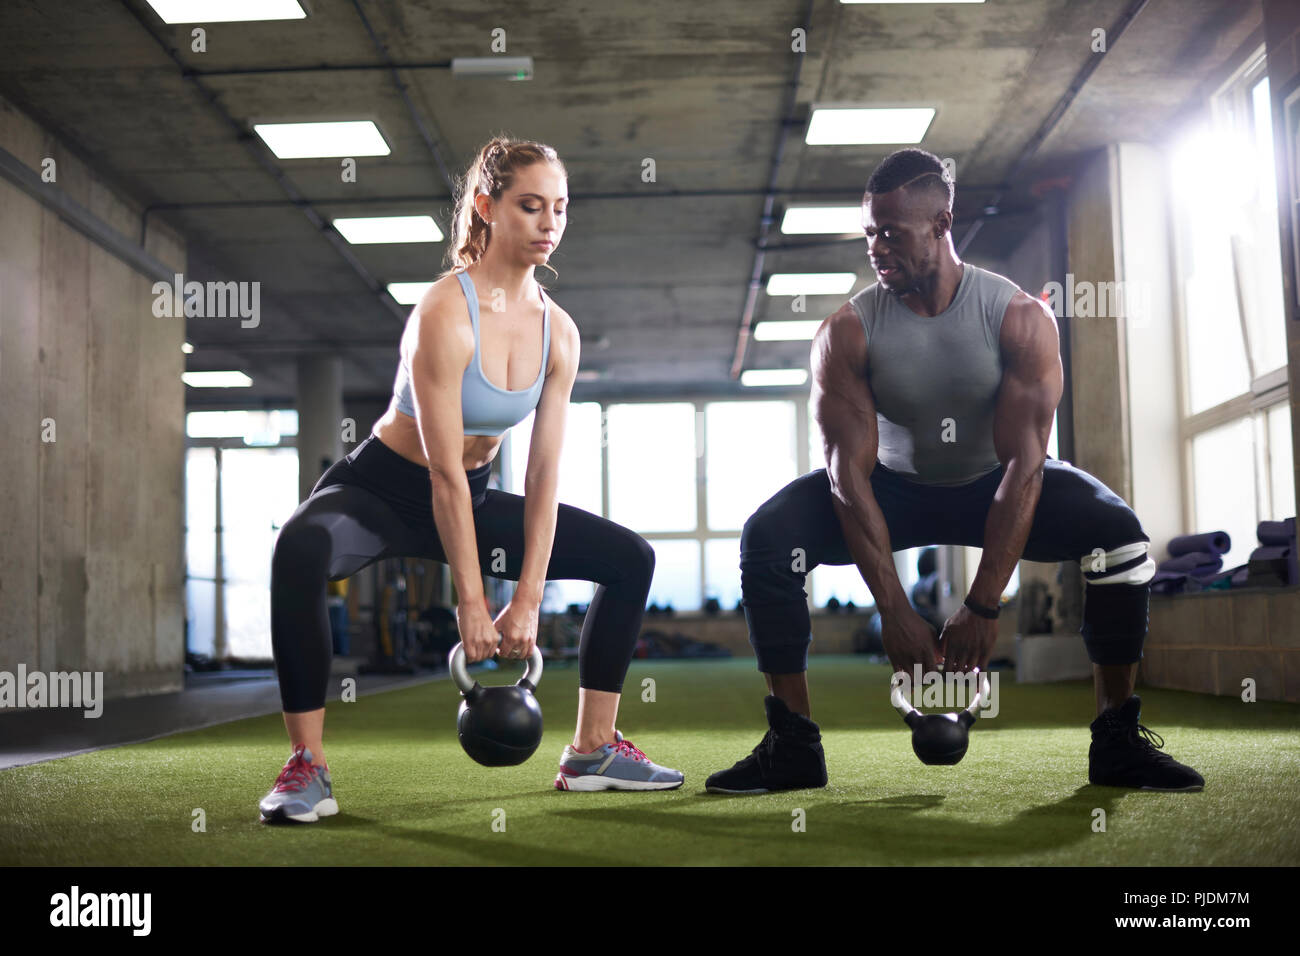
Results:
[939, 739]
[498, 726]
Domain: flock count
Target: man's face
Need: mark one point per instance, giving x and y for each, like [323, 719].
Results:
[901, 240]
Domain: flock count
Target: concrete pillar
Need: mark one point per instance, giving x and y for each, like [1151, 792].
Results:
[320, 418]
[1097, 342]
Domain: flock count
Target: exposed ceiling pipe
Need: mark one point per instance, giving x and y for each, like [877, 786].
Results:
[990, 205]
[638, 195]
[322, 68]
[769, 200]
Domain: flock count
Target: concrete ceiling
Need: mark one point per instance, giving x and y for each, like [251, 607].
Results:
[655, 274]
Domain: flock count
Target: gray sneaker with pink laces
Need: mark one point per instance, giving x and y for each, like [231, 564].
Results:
[616, 766]
[302, 793]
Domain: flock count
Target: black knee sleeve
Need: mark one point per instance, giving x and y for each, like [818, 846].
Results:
[1115, 619]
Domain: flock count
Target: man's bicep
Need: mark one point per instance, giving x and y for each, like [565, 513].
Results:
[1032, 384]
[848, 425]
[842, 402]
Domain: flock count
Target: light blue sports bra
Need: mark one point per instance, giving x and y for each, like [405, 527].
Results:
[486, 409]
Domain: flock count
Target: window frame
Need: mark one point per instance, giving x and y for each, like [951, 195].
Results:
[1230, 104]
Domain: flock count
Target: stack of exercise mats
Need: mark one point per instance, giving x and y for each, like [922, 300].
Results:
[1273, 563]
[1195, 561]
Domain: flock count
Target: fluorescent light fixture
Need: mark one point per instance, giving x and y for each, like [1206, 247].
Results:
[822, 220]
[859, 127]
[255, 427]
[323, 140]
[589, 375]
[216, 379]
[789, 330]
[509, 67]
[376, 229]
[774, 376]
[810, 283]
[408, 293]
[187, 348]
[226, 11]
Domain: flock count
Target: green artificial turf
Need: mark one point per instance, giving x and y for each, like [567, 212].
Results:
[409, 795]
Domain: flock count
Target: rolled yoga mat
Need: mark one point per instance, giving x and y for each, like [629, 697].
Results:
[1216, 542]
[1276, 532]
[1192, 563]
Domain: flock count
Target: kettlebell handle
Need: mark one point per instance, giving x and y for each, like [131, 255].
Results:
[904, 706]
[466, 684]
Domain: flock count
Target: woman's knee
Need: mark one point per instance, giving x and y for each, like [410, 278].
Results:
[640, 558]
[301, 548]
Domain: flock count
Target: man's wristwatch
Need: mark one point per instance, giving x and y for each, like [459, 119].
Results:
[989, 612]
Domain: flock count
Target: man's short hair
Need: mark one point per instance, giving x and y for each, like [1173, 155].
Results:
[915, 170]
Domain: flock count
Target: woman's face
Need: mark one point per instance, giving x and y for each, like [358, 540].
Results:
[530, 216]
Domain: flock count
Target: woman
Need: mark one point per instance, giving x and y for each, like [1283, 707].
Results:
[483, 348]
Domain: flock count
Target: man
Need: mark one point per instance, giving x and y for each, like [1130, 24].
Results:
[935, 390]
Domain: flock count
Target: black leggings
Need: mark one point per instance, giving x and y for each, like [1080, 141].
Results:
[1076, 514]
[376, 504]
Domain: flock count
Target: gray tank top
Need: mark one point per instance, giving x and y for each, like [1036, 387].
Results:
[935, 378]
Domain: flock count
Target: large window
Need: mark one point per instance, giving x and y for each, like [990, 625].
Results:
[1281, 477]
[749, 456]
[840, 581]
[259, 492]
[201, 550]
[722, 571]
[677, 574]
[579, 478]
[579, 483]
[1234, 324]
[652, 466]
[236, 499]
[1236, 412]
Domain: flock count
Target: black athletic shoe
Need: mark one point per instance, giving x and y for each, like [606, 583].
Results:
[789, 757]
[1126, 754]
